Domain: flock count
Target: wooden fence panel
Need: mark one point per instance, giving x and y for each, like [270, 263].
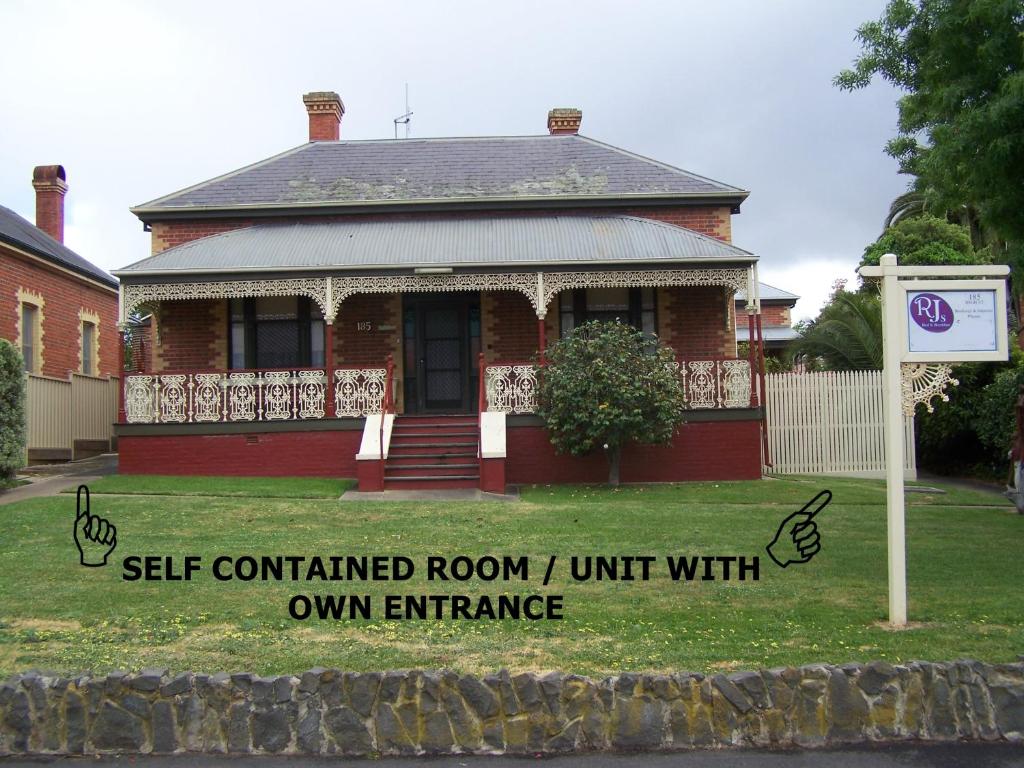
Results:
[63, 412]
[48, 412]
[94, 407]
[830, 423]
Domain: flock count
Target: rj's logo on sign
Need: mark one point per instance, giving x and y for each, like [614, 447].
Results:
[931, 312]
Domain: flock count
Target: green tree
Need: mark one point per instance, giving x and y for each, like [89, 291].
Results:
[12, 410]
[846, 335]
[925, 240]
[960, 64]
[605, 386]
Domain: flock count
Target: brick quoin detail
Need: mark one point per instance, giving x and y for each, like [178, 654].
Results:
[64, 296]
[723, 450]
[191, 335]
[707, 220]
[697, 322]
[255, 454]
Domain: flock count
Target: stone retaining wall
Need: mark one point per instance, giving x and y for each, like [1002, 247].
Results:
[325, 711]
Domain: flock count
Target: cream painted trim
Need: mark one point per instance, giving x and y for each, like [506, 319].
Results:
[58, 268]
[87, 316]
[25, 296]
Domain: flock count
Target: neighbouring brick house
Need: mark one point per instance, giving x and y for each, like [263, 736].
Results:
[60, 310]
[777, 322]
[371, 308]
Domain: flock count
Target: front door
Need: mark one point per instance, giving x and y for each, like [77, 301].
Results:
[443, 365]
[438, 335]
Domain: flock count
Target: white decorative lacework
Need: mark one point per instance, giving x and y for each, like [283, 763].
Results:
[511, 388]
[923, 382]
[173, 399]
[556, 282]
[316, 288]
[735, 383]
[140, 399]
[329, 292]
[311, 392]
[700, 383]
[359, 391]
[215, 397]
[524, 282]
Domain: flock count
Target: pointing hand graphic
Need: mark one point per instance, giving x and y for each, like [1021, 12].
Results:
[797, 539]
[94, 536]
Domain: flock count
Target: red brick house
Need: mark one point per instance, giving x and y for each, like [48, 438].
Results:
[371, 308]
[59, 309]
[777, 323]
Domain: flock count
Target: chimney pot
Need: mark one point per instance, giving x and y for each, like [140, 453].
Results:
[325, 110]
[50, 182]
[564, 120]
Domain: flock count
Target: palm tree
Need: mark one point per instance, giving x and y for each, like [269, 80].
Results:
[847, 334]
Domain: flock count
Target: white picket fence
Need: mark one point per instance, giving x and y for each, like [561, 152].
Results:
[829, 423]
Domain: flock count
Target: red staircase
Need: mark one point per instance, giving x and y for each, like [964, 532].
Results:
[433, 452]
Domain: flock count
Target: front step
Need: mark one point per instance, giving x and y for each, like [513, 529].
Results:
[433, 452]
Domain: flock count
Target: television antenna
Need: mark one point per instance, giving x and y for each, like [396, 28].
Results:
[406, 118]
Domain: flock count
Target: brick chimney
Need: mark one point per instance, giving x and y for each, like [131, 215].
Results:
[51, 185]
[325, 110]
[564, 120]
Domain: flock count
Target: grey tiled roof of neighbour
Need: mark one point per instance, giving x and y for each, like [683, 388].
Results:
[443, 169]
[771, 333]
[21, 233]
[502, 241]
[769, 293]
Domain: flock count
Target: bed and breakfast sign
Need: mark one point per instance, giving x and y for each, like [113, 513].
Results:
[952, 321]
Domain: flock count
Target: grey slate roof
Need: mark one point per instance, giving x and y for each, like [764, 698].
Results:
[416, 170]
[769, 293]
[504, 242]
[20, 233]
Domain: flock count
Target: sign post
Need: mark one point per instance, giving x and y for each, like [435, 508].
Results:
[928, 321]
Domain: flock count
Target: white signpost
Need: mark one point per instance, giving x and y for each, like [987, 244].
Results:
[928, 320]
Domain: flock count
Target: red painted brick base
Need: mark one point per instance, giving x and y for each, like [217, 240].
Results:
[723, 450]
[269, 454]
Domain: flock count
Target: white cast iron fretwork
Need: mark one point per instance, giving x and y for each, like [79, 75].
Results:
[923, 382]
[315, 288]
[214, 397]
[140, 399]
[556, 282]
[511, 388]
[524, 282]
[735, 383]
[359, 391]
[703, 383]
[173, 399]
[310, 391]
[329, 292]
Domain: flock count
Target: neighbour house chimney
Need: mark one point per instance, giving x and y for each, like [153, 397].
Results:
[51, 185]
[325, 110]
[564, 120]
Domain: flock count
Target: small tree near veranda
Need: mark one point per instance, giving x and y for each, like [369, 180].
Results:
[606, 385]
[12, 410]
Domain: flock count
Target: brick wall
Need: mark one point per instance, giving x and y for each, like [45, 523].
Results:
[722, 450]
[267, 454]
[698, 322]
[64, 299]
[191, 335]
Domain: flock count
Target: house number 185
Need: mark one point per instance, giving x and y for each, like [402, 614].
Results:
[364, 326]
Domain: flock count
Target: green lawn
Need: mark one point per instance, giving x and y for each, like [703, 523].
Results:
[249, 487]
[965, 590]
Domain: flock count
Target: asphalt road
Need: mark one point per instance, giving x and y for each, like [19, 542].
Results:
[878, 756]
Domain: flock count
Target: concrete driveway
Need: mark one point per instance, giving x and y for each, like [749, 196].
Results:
[50, 479]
